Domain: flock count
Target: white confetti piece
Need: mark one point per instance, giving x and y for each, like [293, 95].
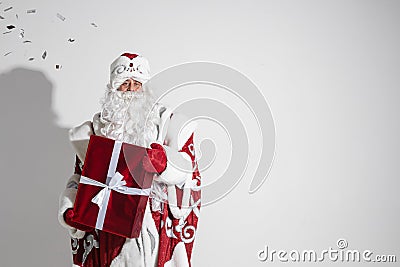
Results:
[61, 17]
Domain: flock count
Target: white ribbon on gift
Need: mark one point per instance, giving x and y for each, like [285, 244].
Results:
[114, 182]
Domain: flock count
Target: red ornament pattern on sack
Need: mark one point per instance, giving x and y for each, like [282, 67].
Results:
[173, 230]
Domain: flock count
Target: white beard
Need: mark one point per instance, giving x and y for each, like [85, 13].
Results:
[129, 117]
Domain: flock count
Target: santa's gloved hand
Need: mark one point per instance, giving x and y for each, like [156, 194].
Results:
[68, 214]
[155, 159]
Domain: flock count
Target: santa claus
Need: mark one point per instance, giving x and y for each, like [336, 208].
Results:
[129, 114]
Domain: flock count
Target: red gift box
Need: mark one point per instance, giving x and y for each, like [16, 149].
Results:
[114, 188]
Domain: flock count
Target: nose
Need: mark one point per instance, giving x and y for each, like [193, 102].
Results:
[130, 85]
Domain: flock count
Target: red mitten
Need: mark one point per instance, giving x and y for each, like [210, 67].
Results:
[68, 214]
[155, 160]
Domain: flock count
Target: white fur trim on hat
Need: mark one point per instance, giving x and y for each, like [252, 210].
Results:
[129, 66]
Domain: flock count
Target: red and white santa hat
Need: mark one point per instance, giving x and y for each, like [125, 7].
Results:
[129, 66]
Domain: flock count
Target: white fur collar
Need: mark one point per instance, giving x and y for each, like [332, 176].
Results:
[80, 135]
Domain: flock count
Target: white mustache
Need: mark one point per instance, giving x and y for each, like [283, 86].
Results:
[125, 117]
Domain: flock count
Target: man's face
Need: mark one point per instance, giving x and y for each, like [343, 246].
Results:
[130, 85]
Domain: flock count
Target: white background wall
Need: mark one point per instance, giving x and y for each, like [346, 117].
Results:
[329, 70]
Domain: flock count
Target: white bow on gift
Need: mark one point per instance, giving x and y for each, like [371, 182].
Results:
[114, 182]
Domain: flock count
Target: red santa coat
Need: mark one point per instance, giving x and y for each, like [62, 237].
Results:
[168, 228]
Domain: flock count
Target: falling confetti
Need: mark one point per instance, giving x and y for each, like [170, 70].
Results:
[31, 11]
[27, 41]
[93, 24]
[58, 67]
[61, 17]
[6, 54]
[7, 9]
[10, 27]
[21, 33]
[71, 40]
[44, 55]
[31, 59]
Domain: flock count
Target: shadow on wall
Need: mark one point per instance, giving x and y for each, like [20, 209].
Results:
[36, 161]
